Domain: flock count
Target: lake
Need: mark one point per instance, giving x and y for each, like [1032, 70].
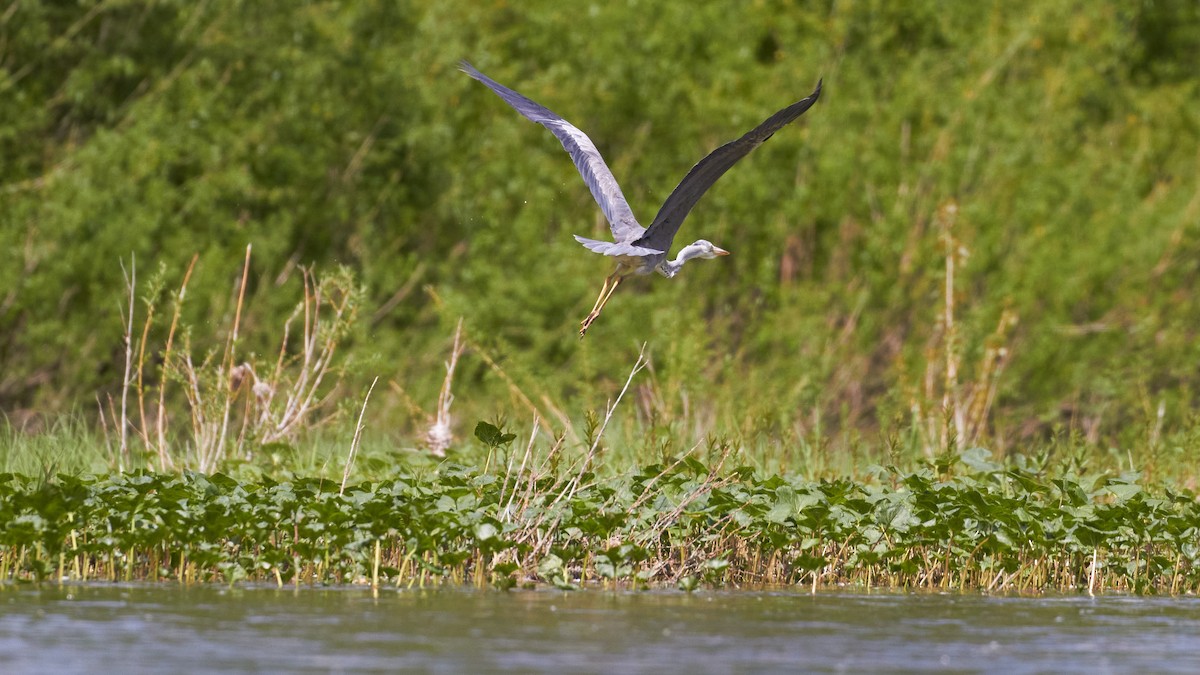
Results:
[167, 628]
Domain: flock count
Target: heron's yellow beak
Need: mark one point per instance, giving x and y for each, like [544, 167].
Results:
[720, 251]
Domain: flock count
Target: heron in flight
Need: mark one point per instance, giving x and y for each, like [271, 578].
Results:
[642, 250]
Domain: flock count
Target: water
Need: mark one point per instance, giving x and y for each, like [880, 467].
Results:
[146, 628]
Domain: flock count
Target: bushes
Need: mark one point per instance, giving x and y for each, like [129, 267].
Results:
[341, 134]
[983, 527]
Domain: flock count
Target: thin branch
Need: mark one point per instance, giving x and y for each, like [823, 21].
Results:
[163, 459]
[230, 346]
[357, 436]
[131, 284]
[439, 435]
[591, 454]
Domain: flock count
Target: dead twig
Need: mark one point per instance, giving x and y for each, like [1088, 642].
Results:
[357, 437]
[439, 437]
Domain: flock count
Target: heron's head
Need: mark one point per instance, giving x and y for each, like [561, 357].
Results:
[704, 248]
[699, 249]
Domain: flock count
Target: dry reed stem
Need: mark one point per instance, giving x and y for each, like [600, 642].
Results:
[127, 320]
[212, 417]
[195, 400]
[103, 423]
[403, 292]
[315, 362]
[1092, 573]
[439, 437]
[164, 459]
[946, 217]
[143, 427]
[710, 483]
[355, 442]
[230, 349]
[301, 392]
[520, 471]
[965, 406]
[591, 453]
[538, 532]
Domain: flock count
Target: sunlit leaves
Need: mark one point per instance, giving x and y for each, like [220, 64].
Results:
[1002, 527]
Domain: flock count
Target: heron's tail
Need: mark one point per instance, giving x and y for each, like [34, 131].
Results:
[615, 249]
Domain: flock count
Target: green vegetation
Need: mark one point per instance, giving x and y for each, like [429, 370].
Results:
[979, 526]
[1043, 153]
[277, 241]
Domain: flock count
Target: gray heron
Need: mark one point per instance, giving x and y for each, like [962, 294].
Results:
[642, 250]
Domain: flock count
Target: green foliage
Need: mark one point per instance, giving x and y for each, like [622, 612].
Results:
[491, 435]
[1000, 528]
[1061, 136]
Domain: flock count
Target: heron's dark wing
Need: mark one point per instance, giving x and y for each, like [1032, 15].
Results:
[702, 176]
[595, 172]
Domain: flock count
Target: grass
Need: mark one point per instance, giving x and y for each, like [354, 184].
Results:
[635, 495]
[624, 497]
[212, 411]
[71, 445]
[533, 517]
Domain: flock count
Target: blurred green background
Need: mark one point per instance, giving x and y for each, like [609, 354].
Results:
[987, 231]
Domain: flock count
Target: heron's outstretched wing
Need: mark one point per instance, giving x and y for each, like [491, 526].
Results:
[616, 249]
[583, 152]
[702, 176]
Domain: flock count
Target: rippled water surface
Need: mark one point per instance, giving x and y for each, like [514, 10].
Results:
[203, 629]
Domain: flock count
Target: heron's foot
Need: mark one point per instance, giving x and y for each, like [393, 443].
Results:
[587, 323]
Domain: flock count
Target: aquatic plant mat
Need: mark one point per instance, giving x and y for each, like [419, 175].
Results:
[995, 528]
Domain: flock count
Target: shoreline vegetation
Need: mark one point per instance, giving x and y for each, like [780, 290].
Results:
[565, 514]
[978, 526]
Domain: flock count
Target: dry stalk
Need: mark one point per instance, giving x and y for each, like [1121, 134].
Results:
[318, 348]
[399, 296]
[354, 446]
[439, 437]
[946, 218]
[537, 531]
[127, 320]
[530, 492]
[103, 424]
[591, 453]
[143, 428]
[1092, 573]
[710, 483]
[164, 459]
[211, 389]
[964, 406]
[520, 471]
[230, 348]
[981, 393]
[203, 436]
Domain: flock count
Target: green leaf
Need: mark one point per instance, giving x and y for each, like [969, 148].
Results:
[979, 459]
[550, 566]
[491, 435]
[1124, 491]
[485, 532]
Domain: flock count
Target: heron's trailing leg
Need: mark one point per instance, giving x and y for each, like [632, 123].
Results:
[610, 285]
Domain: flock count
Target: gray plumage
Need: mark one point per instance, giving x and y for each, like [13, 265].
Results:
[595, 172]
[640, 250]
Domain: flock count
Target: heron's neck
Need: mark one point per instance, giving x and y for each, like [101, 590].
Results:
[669, 268]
